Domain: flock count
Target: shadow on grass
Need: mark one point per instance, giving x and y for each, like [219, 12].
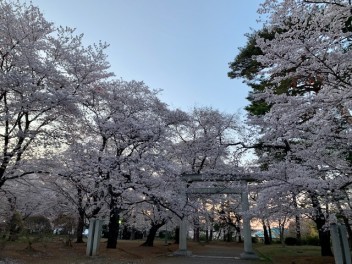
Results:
[279, 254]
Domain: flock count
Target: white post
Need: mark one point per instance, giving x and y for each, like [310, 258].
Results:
[90, 237]
[340, 245]
[248, 249]
[182, 246]
[183, 234]
[336, 244]
[93, 237]
[346, 248]
[96, 237]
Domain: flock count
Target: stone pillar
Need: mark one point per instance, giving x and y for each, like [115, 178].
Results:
[247, 238]
[93, 242]
[344, 240]
[182, 246]
[183, 234]
[340, 245]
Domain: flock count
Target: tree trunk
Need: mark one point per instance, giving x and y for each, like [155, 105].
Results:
[298, 222]
[298, 230]
[196, 230]
[152, 233]
[80, 227]
[211, 234]
[229, 236]
[177, 235]
[324, 235]
[238, 233]
[270, 234]
[281, 232]
[196, 234]
[80, 224]
[266, 235]
[113, 228]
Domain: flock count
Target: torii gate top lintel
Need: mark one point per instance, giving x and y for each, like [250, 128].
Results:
[218, 177]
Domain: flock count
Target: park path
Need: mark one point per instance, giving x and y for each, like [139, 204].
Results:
[208, 254]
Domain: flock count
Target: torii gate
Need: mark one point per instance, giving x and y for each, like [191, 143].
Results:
[244, 179]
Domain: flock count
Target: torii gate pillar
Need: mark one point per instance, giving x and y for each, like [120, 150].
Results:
[248, 247]
[182, 246]
[247, 237]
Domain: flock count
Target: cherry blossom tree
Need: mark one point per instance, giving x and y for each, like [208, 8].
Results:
[307, 128]
[207, 140]
[44, 70]
[121, 148]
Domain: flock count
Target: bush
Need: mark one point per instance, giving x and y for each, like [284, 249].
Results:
[312, 240]
[64, 225]
[15, 226]
[163, 233]
[290, 241]
[38, 225]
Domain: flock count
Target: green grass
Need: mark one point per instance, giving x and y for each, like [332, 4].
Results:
[272, 251]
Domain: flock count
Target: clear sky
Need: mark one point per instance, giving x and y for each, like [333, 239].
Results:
[180, 46]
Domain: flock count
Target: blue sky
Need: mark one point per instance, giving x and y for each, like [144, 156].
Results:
[180, 46]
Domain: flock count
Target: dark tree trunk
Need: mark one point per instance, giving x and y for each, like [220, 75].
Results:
[238, 231]
[113, 228]
[238, 228]
[133, 234]
[324, 235]
[80, 227]
[207, 235]
[229, 236]
[177, 235]
[80, 224]
[196, 234]
[152, 233]
[266, 235]
[298, 222]
[324, 239]
[211, 234]
[196, 230]
[270, 234]
[298, 230]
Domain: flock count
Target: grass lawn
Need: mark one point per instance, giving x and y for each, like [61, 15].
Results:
[54, 251]
[279, 254]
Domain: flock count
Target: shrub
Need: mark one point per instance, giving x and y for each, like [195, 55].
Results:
[15, 226]
[38, 225]
[290, 241]
[64, 225]
[312, 240]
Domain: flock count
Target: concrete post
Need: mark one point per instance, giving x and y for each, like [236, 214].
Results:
[340, 246]
[247, 238]
[96, 238]
[182, 246]
[344, 240]
[183, 234]
[93, 237]
[336, 245]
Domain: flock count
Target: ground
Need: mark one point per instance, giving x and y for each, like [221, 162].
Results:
[55, 251]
